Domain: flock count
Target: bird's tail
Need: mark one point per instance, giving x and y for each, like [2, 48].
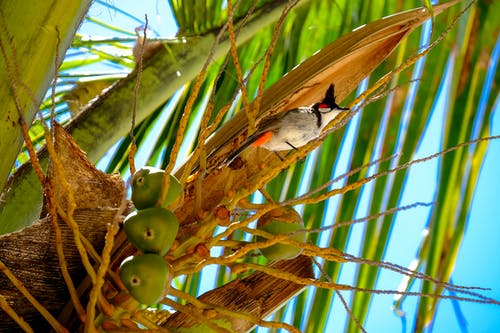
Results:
[251, 139]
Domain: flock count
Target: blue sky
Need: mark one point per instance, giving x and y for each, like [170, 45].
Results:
[477, 264]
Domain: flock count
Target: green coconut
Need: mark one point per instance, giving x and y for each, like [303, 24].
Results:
[147, 185]
[279, 221]
[145, 277]
[151, 230]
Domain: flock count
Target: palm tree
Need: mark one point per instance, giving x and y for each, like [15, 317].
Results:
[174, 99]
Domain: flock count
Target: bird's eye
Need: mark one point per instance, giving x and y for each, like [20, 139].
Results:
[140, 180]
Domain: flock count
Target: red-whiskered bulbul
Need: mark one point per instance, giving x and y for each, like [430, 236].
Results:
[294, 128]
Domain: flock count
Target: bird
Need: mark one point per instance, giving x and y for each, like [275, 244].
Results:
[294, 128]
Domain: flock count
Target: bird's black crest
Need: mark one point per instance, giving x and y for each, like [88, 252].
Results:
[330, 99]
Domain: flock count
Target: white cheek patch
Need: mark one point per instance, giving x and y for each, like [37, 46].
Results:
[324, 110]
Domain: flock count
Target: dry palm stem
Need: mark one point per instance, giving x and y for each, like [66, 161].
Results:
[319, 198]
[349, 312]
[320, 252]
[230, 313]
[253, 206]
[13, 76]
[306, 199]
[97, 258]
[206, 131]
[133, 146]
[342, 298]
[95, 292]
[200, 153]
[335, 286]
[50, 193]
[197, 153]
[335, 255]
[214, 241]
[267, 65]
[60, 254]
[236, 61]
[185, 117]
[68, 217]
[342, 176]
[195, 313]
[200, 149]
[366, 218]
[328, 253]
[406, 165]
[416, 274]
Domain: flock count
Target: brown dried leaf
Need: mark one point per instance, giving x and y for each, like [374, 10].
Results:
[91, 188]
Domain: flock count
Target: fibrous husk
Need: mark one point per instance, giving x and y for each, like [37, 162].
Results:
[31, 254]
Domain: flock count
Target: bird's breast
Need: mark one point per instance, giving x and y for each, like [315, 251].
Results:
[294, 132]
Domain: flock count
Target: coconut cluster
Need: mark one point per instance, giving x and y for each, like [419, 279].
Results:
[152, 229]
